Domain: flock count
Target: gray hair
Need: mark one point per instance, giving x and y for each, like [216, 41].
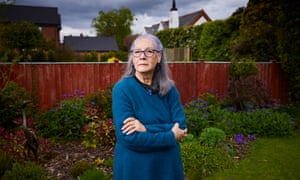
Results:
[161, 79]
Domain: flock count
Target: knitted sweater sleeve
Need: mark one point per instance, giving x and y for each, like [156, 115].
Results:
[176, 111]
[176, 108]
[139, 141]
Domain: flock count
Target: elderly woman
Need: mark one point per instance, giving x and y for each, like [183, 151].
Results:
[148, 117]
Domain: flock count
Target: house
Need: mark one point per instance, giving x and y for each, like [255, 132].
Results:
[85, 44]
[191, 19]
[46, 18]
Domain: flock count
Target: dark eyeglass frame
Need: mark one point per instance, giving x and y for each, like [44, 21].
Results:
[147, 52]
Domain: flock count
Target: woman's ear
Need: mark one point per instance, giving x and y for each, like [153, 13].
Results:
[159, 55]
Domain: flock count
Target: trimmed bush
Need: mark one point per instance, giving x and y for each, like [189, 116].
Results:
[212, 136]
[79, 168]
[202, 161]
[27, 171]
[6, 163]
[94, 174]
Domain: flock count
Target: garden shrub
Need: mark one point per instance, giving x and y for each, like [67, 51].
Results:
[109, 162]
[293, 111]
[79, 168]
[99, 130]
[182, 37]
[196, 116]
[121, 55]
[66, 119]
[259, 122]
[202, 161]
[6, 163]
[245, 87]
[190, 138]
[13, 143]
[102, 100]
[11, 99]
[212, 137]
[269, 121]
[94, 174]
[27, 171]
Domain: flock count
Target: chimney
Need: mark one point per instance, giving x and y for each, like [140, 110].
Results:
[174, 17]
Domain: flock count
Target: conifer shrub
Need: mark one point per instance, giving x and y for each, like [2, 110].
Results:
[26, 171]
[6, 163]
[94, 174]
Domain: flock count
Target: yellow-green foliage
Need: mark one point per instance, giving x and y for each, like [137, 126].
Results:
[202, 161]
[79, 168]
[94, 174]
[212, 136]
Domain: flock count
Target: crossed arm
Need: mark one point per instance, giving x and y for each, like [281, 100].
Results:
[131, 125]
[132, 133]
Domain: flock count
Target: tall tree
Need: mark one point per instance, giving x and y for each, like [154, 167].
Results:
[22, 38]
[258, 31]
[289, 45]
[116, 23]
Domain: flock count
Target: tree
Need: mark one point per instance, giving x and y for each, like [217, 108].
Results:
[258, 31]
[22, 39]
[289, 45]
[116, 23]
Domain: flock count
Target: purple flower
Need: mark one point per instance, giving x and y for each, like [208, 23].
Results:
[251, 137]
[239, 139]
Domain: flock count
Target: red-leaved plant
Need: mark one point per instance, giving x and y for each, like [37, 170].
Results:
[99, 130]
[14, 143]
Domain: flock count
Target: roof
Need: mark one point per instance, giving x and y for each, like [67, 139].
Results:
[39, 15]
[192, 18]
[86, 43]
[152, 29]
[185, 20]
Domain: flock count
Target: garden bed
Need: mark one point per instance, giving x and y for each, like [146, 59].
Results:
[71, 152]
[67, 154]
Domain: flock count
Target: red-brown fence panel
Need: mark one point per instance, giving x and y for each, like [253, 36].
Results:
[51, 81]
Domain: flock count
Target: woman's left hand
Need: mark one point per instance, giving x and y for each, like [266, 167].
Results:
[132, 125]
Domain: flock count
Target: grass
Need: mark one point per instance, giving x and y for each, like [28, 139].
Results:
[268, 158]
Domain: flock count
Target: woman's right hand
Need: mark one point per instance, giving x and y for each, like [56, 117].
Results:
[131, 125]
[179, 133]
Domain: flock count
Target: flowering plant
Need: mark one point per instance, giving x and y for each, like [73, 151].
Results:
[99, 130]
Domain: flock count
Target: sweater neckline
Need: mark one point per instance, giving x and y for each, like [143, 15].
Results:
[149, 89]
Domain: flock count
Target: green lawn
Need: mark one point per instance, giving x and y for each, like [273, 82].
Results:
[268, 158]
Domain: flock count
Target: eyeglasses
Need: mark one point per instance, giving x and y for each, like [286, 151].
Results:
[146, 52]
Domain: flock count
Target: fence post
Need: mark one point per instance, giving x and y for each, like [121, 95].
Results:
[116, 74]
[201, 77]
[273, 79]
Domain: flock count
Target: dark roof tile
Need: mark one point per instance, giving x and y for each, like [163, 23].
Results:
[85, 43]
[38, 15]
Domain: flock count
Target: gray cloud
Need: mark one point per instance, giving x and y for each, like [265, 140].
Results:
[77, 15]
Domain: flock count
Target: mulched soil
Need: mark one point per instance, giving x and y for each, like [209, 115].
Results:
[69, 153]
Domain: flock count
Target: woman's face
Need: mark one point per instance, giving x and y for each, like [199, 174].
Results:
[145, 56]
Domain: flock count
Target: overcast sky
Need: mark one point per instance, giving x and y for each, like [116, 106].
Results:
[77, 15]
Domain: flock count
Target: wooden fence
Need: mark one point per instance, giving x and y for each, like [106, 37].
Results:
[53, 80]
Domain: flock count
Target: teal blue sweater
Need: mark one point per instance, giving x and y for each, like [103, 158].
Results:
[150, 155]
